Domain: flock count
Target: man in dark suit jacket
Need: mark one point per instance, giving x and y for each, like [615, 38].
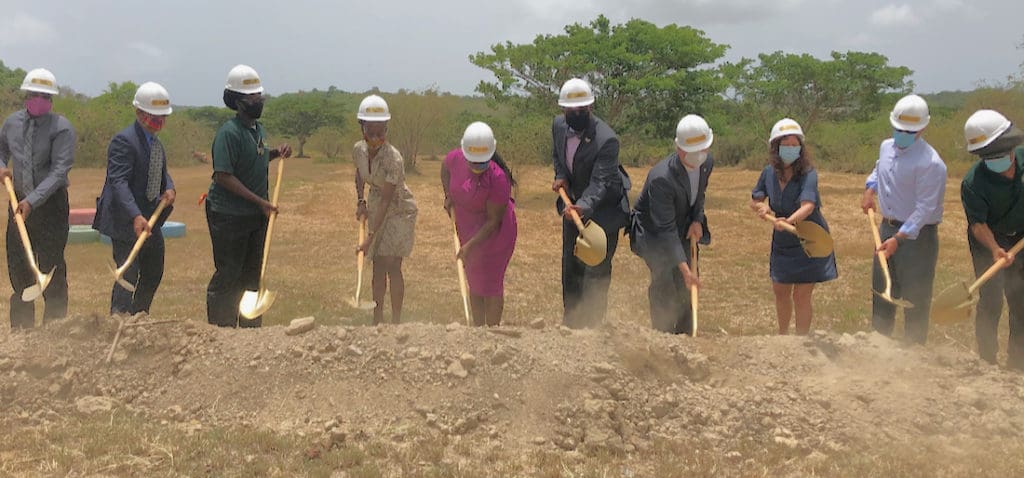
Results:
[585, 155]
[136, 182]
[669, 211]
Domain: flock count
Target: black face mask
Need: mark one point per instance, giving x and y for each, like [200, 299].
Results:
[251, 110]
[578, 120]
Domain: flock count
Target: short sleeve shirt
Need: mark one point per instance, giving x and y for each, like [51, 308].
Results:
[242, 152]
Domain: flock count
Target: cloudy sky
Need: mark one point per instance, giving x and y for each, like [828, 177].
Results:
[189, 45]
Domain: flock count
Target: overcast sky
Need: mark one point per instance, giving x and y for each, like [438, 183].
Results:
[189, 45]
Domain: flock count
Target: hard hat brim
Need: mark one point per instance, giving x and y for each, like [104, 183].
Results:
[245, 91]
[575, 104]
[693, 148]
[369, 118]
[912, 127]
[41, 89]
[153, 111]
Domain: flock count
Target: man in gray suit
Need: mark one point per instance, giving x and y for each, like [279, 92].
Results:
[585, 155]
[669, 212]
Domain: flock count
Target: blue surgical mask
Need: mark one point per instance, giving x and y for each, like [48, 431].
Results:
[998, 165]
[903, 139]
[479, 168]
[788, 154]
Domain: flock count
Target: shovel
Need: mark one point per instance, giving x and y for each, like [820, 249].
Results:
[592, 243]
[884, 263]
[463, 287]
[953, 304]
[31, 292]
[356, 300]
[255, 302]
[814, 239]
[119, 271]
[693, 290]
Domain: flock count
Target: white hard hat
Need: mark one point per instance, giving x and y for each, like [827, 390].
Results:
[575, 92]
[478, 143]
[373, 108]
[40, 80]
[693, 134]
[910, 114]
[243, 79]
[153, 99]
[786, 127]
[983, 127]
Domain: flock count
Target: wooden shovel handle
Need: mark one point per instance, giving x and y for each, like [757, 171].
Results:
[20, 221]
[770, 217]
[575, 217]
[995, 268]
[142, 238]
[270, 223]
[463, 287]
[882, 260]
[693, 290]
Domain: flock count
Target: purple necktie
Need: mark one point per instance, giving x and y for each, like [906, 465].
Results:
[572, 143]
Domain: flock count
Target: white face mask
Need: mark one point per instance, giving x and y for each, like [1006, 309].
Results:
[694, 160]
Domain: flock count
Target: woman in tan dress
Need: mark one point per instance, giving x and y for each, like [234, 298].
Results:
[390, 208]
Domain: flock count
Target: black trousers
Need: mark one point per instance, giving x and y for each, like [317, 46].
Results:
[47, 227]
[237, 253]
[1008, 282]
[913, 274]
[669, 296]
[146, 273]
[585, 288]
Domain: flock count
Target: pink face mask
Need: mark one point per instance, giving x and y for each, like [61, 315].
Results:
[38, 106]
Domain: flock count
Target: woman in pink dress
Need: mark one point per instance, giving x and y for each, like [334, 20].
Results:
[478, 185]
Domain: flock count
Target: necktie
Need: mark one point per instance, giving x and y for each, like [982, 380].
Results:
[27, 175]
[572, 143]
[156, 165]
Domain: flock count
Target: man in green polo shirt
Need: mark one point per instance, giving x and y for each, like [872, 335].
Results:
[237, 209]
[993, 198]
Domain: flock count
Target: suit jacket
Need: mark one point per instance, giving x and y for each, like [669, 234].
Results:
[124, 190]
[597, 183]
[663, 212]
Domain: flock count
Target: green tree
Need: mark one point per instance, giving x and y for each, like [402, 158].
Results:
[300, 114]
[645, 76]
[209, 116]
[417, 117]
[851, 85]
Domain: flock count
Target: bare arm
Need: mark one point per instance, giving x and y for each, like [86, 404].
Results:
[231, 183]
[495, 212]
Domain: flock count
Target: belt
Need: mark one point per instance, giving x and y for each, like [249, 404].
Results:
[892, 222]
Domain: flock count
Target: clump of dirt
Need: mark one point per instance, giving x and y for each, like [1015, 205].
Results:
[619, 389]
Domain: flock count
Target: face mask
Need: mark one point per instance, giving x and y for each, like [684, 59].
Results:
[903, 139]
[788, 154]
[152, 122]
[479, 168]
[694, 160]
[998, 165]
[374, 143]
[38, 106]
[578, 120]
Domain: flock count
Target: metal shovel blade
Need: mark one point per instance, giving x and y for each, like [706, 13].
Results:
[34, 291]
[592, 244]
[254, 304]
[118, 278]
[362, 305]
[898, 302]
[814, 239]
[953, 305]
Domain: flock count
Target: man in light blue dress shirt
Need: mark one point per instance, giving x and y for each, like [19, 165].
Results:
[909, 181]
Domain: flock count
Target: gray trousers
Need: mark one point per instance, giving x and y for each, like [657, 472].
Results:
[913, 273]
[669, 296]
[1008, 282]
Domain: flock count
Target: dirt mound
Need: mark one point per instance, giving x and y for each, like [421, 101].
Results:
[621, 390]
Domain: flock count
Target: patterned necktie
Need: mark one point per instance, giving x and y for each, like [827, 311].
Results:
[156, 165]
[572, 143]
[27, 176]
